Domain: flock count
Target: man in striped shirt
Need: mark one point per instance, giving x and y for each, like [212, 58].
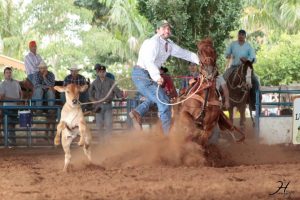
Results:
[32, 60]
[43, 82]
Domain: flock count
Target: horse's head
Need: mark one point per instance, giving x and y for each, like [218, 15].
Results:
[27, 88]
[208, 58]
[246, 70]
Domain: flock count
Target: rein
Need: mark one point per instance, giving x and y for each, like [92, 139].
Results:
[239, 85]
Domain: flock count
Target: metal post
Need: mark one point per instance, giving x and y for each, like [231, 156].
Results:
[128, 109]
[5, 131]
[257, 112]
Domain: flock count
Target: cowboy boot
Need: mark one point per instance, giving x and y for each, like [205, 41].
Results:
[136, 120]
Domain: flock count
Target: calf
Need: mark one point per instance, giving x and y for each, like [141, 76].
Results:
[72, 123]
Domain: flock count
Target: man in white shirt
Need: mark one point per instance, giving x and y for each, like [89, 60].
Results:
[146, 75]
[32, 61]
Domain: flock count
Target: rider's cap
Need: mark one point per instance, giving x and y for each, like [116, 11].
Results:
[242, 32]
[163, 23]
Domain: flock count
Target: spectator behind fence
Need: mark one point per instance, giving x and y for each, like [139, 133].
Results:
[193, 73]
[43, 82]
[98, 90]
[10, 90]
[77, 79]
[32, 60]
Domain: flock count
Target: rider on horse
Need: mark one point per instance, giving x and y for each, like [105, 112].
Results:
[241, 51]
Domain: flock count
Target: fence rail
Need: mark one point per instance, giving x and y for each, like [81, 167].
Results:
[44, 123]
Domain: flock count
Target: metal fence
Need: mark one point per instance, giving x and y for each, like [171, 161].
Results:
[45, 118]
[280, 107]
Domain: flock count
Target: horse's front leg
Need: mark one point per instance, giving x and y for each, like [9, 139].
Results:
[230, 110]
[188, 125]
[242, 110]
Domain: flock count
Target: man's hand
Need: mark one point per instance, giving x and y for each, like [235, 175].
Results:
[192, 81]
[160, 81]
[243, 59]
[45, 74]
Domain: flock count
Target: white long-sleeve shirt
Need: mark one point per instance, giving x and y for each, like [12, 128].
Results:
[32, 62]
[153, 55]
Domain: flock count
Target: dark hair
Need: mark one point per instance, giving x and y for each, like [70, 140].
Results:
[165, 70]
[191, 63]
[242, 32]
[7, 68]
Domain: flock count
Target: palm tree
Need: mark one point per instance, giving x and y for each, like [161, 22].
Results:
[276, 15]
[11, 34]
[121, 22]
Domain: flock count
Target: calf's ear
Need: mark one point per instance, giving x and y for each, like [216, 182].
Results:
[60, 88]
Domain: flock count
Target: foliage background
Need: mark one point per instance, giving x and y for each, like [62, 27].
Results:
[110, 32]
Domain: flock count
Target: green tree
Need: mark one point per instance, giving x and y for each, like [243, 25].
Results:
[272, 15]
[279, 64]
[58, 27]
[123, 26]
[12, 35]
[193, 20]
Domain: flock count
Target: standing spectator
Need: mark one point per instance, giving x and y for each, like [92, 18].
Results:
[193, 73]
[43, 82]
[10, 90]
[168, 84]
[32, 60]
[77, 79]
[98, 90]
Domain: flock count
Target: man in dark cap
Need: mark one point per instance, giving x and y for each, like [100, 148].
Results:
[97, 91]
[108, 74]
[153, 53]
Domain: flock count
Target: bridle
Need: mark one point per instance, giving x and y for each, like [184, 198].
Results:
[237, 75]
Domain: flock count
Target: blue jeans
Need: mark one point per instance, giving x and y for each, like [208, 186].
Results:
[30, 77]
[104, 118]
[147, 88]
[39, 93]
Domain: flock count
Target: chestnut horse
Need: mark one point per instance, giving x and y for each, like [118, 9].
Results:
[239, 84]
[202, 110]
[27, 88]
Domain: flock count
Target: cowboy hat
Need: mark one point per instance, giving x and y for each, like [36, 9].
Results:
[42, 64]
[74, 68]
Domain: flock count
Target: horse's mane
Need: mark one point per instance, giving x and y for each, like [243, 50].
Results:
[207, 52]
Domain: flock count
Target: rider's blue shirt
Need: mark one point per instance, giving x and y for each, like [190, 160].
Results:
[238, 51]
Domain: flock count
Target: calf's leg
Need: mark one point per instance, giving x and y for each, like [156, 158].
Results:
[66, 143]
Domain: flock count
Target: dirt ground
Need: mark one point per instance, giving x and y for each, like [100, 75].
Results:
[150, 166]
